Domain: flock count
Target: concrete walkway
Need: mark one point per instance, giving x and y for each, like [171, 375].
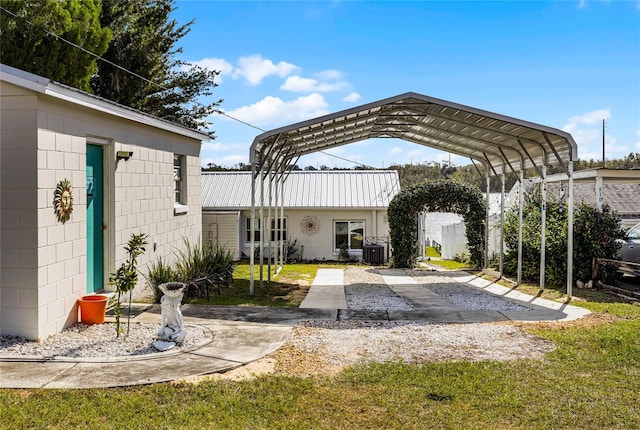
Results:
[242, 334]
[327, 291]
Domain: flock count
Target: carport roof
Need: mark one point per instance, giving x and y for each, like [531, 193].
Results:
[504, 143]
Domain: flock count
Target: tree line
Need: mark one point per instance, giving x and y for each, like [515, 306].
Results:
[413, 174]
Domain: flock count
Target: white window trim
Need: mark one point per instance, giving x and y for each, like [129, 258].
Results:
[354, 252]
[247, 232]
[181, 207]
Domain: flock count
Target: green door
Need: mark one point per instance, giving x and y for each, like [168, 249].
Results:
[95, 213]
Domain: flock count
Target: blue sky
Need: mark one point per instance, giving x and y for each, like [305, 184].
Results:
[564, 64]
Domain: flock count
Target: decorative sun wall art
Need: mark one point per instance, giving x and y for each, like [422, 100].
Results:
[310, 225]
[63, 201]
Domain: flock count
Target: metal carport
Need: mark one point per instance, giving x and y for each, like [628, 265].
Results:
[501, 144]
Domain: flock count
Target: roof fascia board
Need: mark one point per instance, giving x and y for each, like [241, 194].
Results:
[23, 79]
[630, 176]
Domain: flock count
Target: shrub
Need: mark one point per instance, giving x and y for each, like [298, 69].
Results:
[444, 196]
[212, 261]
[595, 234]
[159, 273]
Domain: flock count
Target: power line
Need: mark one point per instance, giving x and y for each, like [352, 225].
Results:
[149, 81]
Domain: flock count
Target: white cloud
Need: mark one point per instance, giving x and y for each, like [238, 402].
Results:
[254, 69]
[219, 64]
[329, 75]
[351, 97]
[299, 84]
[272, 111]
[586, 130]
[595, 116]
[219, 146]
[296, 83]
[395, 150]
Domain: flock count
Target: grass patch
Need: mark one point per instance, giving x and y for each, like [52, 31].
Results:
[449, 264]
[432, 252]
[286, 289]
[591, 381]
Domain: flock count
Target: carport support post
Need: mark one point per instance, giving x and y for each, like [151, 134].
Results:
[570, 233]
[253, 228]
[502, 225]
[282, 260]
[267, 229]
[262, 229]
[520, 209]
[543, 227]
[486, 233]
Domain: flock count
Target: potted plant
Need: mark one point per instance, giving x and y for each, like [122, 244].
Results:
[126, 277]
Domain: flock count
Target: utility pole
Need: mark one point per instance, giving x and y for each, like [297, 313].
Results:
[603, 159]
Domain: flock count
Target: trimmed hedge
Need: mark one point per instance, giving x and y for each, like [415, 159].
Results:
[439, 196]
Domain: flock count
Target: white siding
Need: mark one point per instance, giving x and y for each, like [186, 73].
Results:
[223, 228]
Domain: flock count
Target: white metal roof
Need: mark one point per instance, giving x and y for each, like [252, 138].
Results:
[325, 189]
[503, 143]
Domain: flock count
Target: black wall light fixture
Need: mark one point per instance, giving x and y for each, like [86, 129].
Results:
[124, 155]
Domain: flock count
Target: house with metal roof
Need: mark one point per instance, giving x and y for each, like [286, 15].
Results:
[80, 175]
[320, 211]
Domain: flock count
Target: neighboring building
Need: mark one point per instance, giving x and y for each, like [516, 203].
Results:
[322, 209]
[129, 172]
[617, 188]
[623, 199]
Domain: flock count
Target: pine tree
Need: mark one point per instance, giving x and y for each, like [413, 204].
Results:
[27, 43]
[144, 42]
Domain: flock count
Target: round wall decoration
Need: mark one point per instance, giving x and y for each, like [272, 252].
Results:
[310, 225]
[63, 200]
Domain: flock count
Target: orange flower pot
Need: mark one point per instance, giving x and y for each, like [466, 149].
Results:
[93, 308]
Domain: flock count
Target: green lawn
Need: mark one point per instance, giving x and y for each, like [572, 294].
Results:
[287, 289]
[449, 264]
[591, 381]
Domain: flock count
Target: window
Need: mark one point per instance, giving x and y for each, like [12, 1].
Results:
[180, 184]
[256, 233]
[349, 233]
[178, 178]
[276, 232]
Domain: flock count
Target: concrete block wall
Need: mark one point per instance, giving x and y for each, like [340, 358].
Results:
[19, 202]
[42, 261]
[144, 203]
